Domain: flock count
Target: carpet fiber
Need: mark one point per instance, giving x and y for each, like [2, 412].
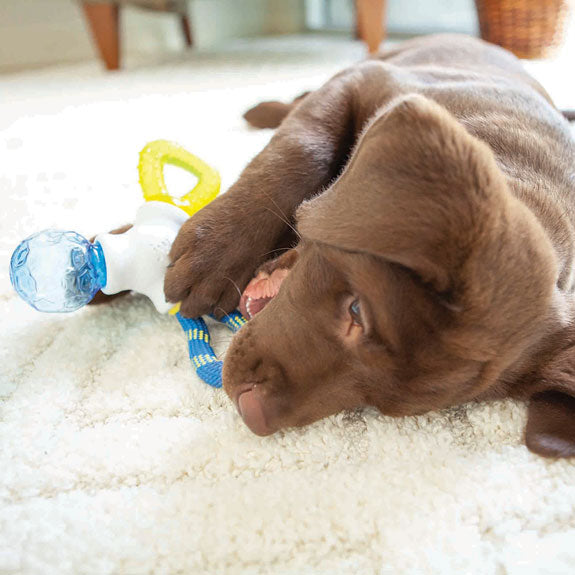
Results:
[116, 459]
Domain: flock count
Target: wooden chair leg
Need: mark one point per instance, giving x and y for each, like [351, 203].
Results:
[370, 16]
[357, 34]
[104, 21]
[187, 29]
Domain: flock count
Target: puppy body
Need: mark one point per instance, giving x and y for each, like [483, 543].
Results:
[433, 193]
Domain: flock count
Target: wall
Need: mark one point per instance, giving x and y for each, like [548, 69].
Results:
[36, 33]
[403, 16]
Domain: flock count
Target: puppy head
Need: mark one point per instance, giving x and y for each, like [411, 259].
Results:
[419, 280]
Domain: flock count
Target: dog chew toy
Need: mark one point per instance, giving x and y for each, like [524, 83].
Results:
[61, 271]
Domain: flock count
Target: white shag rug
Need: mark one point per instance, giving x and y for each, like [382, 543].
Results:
[116, 459]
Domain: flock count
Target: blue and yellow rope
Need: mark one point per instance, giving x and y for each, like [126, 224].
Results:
[206, 363]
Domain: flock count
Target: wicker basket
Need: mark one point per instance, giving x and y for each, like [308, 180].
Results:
[529, 28]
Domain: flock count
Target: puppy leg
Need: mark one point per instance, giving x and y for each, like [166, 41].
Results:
[271, 114]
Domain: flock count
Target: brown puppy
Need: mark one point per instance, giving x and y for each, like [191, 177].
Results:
[433, 191]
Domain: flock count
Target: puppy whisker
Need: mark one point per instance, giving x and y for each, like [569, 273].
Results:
[286, 222]
[285, 218]
[223, 310]
[235, 285]
[276, 250]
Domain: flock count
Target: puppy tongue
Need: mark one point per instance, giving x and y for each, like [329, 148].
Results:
[251, 410]
[260, 291]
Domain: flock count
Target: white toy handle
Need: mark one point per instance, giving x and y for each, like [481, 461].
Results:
[137, 259]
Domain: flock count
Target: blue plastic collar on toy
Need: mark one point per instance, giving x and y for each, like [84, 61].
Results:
[99, 263]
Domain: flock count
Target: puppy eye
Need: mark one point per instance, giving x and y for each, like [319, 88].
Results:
[355, 311]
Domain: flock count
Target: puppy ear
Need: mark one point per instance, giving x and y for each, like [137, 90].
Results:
[550, 427]
[421, 192]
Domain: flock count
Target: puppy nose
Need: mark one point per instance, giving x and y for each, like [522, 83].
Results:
[250, 407]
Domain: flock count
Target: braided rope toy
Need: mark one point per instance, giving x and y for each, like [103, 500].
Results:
[153, 158]
[207, 365]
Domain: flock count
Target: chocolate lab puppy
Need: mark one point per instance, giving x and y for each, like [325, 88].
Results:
[430, 195]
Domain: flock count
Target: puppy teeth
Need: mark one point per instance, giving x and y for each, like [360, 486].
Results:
[248, 302]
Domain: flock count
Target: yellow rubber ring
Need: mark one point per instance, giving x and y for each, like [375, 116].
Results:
[156, 155]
